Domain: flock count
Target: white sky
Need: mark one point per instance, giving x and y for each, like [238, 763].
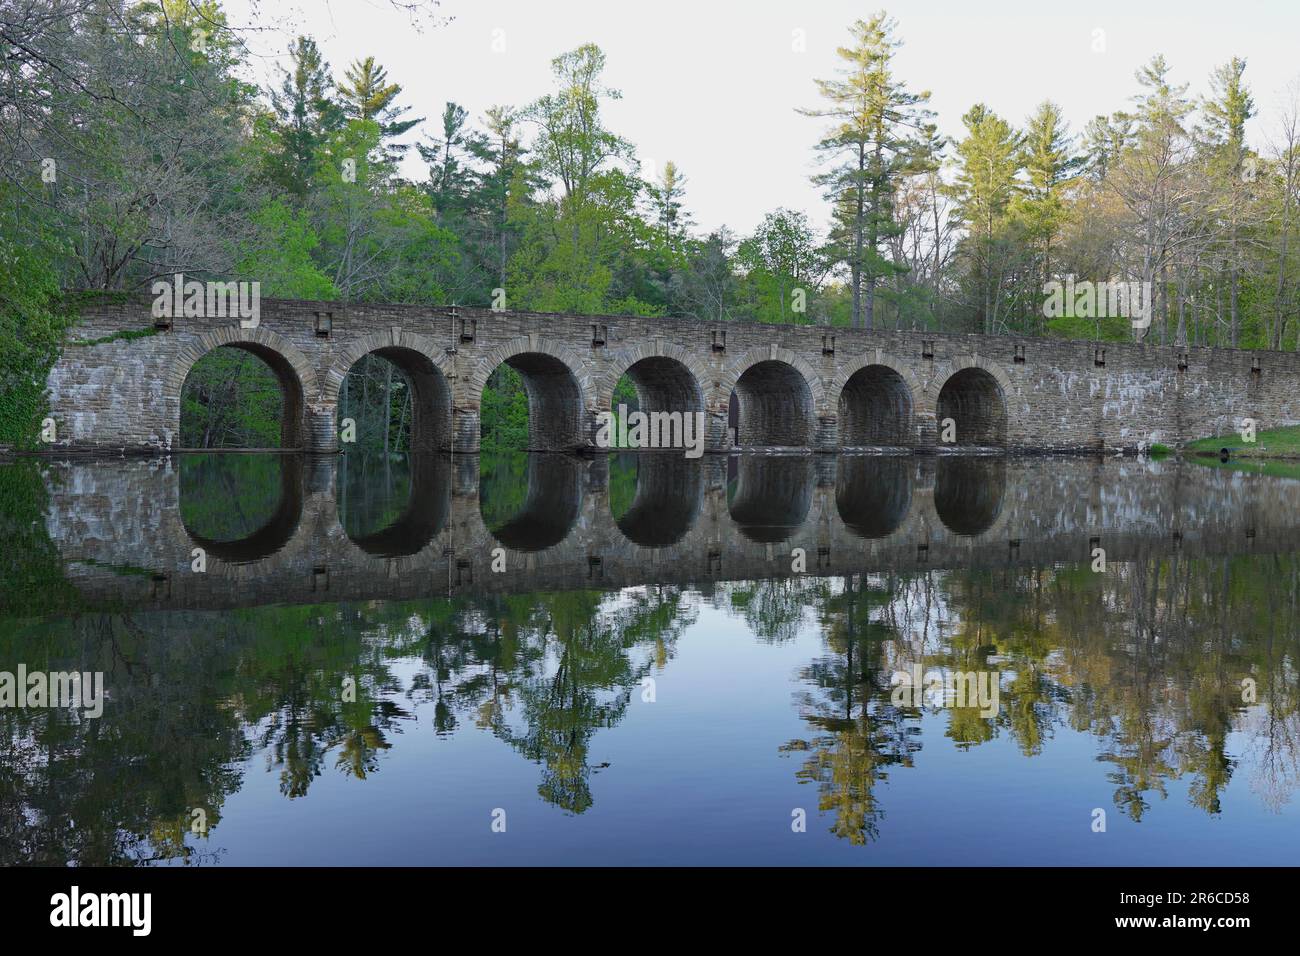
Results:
[713, 84]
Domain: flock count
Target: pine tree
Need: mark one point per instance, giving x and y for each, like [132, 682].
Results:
[367, 95]
[874, 144]
[305, 114]
[985, 187]
[1048, 158]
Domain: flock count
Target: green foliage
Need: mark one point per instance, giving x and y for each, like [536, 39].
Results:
[279, 255]
[231, 399]
[377, 396]
[503, 414]
[125, 335]
[32, 324]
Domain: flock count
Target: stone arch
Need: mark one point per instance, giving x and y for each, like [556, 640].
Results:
[973, 392]
[425, 366]
[296, 376]
[781, 397]
[876, 398]
[561, 404]
[669, 387]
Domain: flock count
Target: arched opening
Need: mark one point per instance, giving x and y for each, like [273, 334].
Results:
[664, 500]
[530, 502]
[973, 399]
[397, 401]
[873, 494]
[667, 394]
[241, 395]
[875, 409]
[543, 391]
[774, 407]
[241, 508]
[968, 492]
[769, 498]
[394, 506]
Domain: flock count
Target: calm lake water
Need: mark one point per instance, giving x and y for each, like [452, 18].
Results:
[650, 660]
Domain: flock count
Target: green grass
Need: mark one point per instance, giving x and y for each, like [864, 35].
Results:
[1269, 443]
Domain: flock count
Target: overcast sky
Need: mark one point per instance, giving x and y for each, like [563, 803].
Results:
[713, 84]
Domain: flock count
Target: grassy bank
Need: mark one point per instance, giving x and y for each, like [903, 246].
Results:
[1272, 443]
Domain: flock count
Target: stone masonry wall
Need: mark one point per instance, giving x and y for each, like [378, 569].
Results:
[124, 395]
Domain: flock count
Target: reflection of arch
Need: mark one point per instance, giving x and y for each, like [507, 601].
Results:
[550, 507]
[667, 378]
[873, 494]
[974, 397]
[289, 365]
[275, 533]
[428, 506]
[557, 401]
[968, 492]
[875, 405]
[668, 492]
[425, 367]
[772, 496]
[779, 394]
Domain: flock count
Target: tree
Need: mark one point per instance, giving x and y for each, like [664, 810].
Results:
[666, 206]
[1153, 178]
[304, 115]
[1051, 167]
[1226, 112]
[367, 95]
[780, 258]
[873, 143]
[573, 143]
[986, 185]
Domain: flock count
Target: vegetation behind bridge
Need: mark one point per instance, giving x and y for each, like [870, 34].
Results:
[135, 146]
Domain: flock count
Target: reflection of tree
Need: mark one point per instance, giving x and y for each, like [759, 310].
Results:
[544, 672]
[858, 732]
[1147, 658]
[583, 681]
[774, 609]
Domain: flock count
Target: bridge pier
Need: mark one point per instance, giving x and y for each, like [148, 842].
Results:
[927, 429]
[827, 438]
[321, 435]
[464, 430]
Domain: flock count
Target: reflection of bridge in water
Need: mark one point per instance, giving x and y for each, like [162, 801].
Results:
[689, 522]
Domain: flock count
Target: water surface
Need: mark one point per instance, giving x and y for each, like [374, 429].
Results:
[645, 659]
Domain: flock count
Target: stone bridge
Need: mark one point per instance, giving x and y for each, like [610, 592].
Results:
[117, 386]
[119, 526]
